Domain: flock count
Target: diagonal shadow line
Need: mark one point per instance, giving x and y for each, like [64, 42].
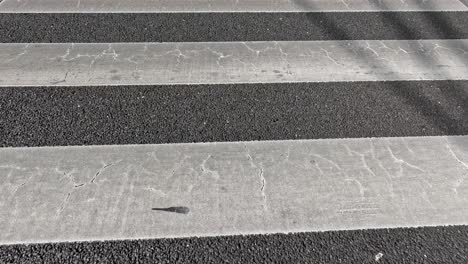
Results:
[433, 113]
[455, 92]
[465, 2]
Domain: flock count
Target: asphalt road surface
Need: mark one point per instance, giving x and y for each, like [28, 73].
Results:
[85, 115]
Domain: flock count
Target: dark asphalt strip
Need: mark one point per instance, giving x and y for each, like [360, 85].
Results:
[60, 116]
[196, 27]
[415, 245]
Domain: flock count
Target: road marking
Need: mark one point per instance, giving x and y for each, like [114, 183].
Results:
[181, 190]
[231, 62]
[168, 6]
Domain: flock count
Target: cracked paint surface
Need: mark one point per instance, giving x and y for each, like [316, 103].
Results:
[61, 6]
[153, 191]
[231, 62]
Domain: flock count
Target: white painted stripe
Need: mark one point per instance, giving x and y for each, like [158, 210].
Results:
[231, 62]
[108, 192]
[132, 6]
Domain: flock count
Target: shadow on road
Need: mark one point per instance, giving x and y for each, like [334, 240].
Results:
[453, 120]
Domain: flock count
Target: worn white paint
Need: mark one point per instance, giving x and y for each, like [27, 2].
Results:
[108, 192]
[159, 6]
[231, 62]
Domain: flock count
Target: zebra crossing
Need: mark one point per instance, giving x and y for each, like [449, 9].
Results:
[168, 119]
[231, 62]
[177, 6]
[273, 186]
